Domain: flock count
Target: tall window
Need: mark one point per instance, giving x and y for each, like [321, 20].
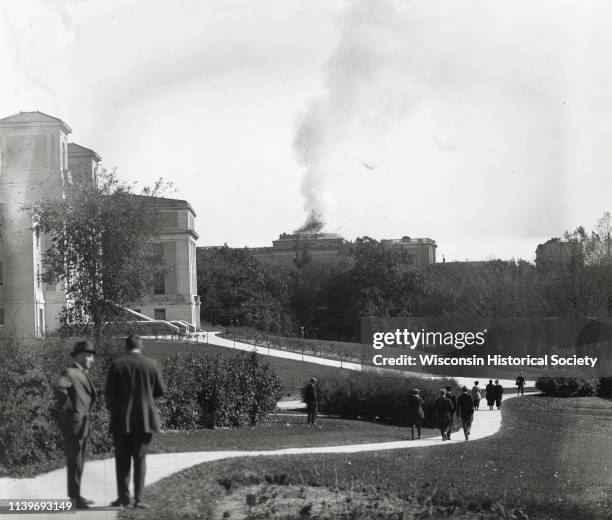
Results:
[159, 284]
[1, 316]
[159, 279]
[38, 276]
[159, 314]
[1, 274]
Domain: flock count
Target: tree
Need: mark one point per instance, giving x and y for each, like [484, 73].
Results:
[235, 285]
[99, 249]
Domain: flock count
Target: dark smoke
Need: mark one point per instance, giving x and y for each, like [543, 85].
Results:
[314, 223]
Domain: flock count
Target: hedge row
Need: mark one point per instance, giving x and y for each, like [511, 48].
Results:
[571, 386]
[202, 392]
[381, 396]
[29, 433]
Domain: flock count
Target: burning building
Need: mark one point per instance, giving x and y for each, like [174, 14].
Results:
[290, 248]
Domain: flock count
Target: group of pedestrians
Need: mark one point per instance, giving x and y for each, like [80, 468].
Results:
[493, 394]
[132, 385]
[447, 406]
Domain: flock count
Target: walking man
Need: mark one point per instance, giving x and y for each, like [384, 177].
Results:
[76, 397]
[133, 383]
[443, 413]
[453, 400]
[311, 398]
[520, 383]
[465, 409]
[476, 396]
[414, 411]
[490, 394]
[498, 390]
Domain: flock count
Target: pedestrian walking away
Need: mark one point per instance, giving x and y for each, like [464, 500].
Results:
[414, 412]
[76, 395]
[453, 401]
[520, 383]
[443, 413]
[465, 409]
[133, 383]
[498, 392]
[476, 396]
[311, 398]
[490, 394]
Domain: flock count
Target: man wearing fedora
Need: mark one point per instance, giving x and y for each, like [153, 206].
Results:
[76, 396]
[133, 383]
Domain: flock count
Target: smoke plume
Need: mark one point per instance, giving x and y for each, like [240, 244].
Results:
[367, 90]
[314, 223]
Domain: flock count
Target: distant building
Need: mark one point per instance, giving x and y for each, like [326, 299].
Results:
[37, 161]
[559, 253]
[291, 248]
[420, 251]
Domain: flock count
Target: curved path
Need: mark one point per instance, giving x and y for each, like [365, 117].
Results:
[212, 338]
[99, 478]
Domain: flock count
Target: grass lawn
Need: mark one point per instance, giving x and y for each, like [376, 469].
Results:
[326, 350]
[551, 460]
[283, 431]
[293, 374]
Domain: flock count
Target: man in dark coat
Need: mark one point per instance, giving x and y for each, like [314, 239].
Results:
[490, 394]
[133, 383]
[465, 409]
[311, 398]
[76, 396]
[443, 413]
[498, 390]
[414, 411]
[453, 400]
[520, 383]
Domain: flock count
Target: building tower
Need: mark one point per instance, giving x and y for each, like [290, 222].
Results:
[33, 165]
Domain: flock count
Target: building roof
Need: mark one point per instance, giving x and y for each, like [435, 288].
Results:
[164, 202]
[77, 149]
[27, 118]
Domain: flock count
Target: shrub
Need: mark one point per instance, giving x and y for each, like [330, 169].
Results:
[605, 386]
[29, 432]
[567, 386]
[219, 391]
[378, 396]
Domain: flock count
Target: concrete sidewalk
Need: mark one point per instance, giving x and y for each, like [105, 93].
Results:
[99, 478]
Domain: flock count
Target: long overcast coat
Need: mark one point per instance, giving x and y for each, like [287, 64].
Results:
[133, 382]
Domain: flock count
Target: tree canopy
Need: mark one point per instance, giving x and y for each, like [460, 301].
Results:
[97, 240]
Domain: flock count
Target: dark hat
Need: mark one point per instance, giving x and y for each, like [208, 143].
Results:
[83, 346]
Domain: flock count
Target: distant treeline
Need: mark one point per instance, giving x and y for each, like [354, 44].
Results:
[328, 299]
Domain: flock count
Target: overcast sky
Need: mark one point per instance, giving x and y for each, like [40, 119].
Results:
[485, 125]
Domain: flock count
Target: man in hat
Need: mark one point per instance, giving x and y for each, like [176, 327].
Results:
[133, 383]
[76, 396]
[311, 398]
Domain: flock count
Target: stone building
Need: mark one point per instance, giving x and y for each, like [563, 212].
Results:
[290, 248]
[419, 251]
[37, 161]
